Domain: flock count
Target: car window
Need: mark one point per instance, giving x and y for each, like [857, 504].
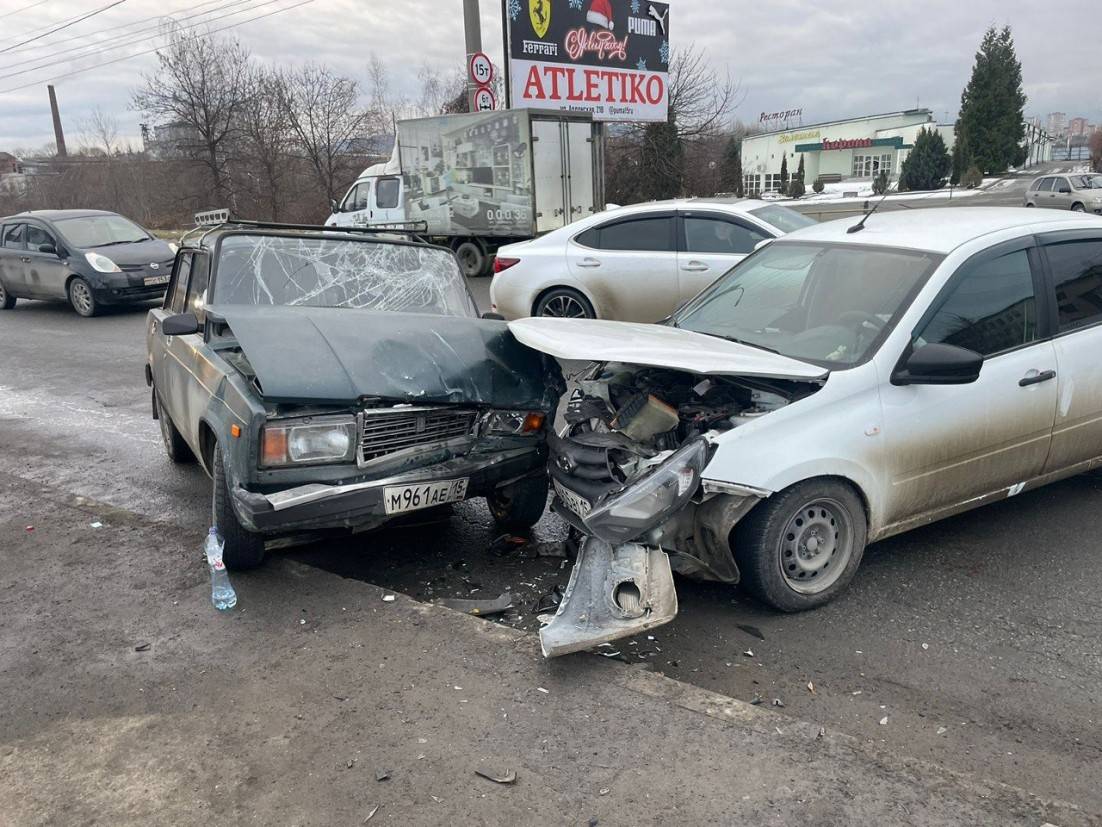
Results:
[196, 298]
[13, 236]
[1077, 275]
[991, 309]
[1045, 185]
[1060, 185]
[175, 300]
[356, 199]
[36, 237]
[641, 234]
[589, 238]
[716, 235]
[386, 193]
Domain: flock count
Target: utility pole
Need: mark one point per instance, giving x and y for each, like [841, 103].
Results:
[472, 32]
[59, 135]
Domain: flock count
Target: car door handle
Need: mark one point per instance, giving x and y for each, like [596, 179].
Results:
[589, 262]
[1037, 378]
[695, 267]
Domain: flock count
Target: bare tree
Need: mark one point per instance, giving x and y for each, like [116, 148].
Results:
[202, 85]
[325, 113]
[267, 141]
[99, 133]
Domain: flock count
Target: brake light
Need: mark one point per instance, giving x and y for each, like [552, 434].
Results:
[501, 264]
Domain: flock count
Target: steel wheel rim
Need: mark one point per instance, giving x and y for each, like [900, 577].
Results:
[815, 546]
[82, 297]
[1078, 208]
[3, 294]
[564, 307]
[468, 259]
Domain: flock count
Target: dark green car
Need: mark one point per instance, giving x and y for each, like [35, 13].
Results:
[333, 380]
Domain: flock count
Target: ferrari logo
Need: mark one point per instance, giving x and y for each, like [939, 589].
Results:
[540, 12]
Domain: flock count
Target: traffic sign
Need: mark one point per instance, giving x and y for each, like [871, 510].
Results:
[480, 68]
[484, 100]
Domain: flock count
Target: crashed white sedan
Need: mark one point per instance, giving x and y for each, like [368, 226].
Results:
[839, 386]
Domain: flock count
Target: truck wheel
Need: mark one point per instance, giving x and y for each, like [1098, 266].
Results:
[175, 446]
[7, 300]
[243, 549]
[801, 547]
[472, 259]
[519, 505]
[563, 302]
[82, 298]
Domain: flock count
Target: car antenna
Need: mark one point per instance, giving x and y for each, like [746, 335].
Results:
[860, 225]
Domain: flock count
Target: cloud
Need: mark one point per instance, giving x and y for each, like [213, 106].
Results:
[833, 61]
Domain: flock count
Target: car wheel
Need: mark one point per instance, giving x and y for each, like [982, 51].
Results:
[562, 302]
[243, 549]
[1031, 205]
[7, 300]
[801, 547]
[1077, 207]
[177, 449]
[519, 506]
[472, 259]
[82, 298]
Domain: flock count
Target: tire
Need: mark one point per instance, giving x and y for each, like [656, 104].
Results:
[7, 300]
[243, 550]
[519, 506]
[472, 259]
[563, 302]
[1031, 205]
[177, 449]
[81, 298]
[1077, 207]
[773, 551]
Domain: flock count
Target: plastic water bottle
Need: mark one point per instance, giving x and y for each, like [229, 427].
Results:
[222, 594]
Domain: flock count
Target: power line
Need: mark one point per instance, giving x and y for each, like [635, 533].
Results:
[150, 51]
[107, 30]
[110, 44]
[67, 25]
[25, 8]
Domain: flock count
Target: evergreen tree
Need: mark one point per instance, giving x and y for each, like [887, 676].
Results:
[960, 161]
[730, 179]
[784, 174]
[928, 164]
[991, 121]
[796, 189]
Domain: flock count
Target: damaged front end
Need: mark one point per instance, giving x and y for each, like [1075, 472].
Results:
[629, 474]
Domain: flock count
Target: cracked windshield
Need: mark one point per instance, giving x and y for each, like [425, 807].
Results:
[359, 275]
[825, 304]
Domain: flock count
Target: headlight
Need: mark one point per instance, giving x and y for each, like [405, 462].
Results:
[322, 440]
[102, 263]
[653, 500]
[516, 423]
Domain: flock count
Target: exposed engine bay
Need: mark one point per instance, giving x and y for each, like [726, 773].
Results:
[627, 469]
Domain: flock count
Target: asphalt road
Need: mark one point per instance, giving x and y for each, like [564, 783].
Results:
[976, 640]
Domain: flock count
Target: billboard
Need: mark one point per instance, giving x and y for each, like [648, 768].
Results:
[468, 174]
[606, 57]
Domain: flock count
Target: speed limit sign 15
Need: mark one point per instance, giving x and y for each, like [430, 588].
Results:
[481, 69]
[484, 100]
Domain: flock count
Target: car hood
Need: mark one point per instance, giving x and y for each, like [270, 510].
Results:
[144, 252]
[311, 354]
[656, 346]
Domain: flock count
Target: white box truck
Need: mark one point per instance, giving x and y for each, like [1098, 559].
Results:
[475, 182]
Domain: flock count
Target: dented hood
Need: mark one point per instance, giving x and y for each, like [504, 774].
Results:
[320, 354]
[656, 345]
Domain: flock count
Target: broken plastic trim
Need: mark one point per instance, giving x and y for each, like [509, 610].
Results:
[614, 592]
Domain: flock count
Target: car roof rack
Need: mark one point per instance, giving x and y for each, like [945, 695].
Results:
[207, 222]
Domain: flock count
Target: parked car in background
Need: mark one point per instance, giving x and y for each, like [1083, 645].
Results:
[89, 258]
[332, 380]
[1080, 192]
[833, 389]
[634, 264]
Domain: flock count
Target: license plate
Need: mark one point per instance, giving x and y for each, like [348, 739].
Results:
[151, 280]
[400, 498]
[579, 505]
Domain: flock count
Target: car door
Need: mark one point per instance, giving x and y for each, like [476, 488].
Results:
[1042, 196]
[168, 373]
[629, 265]
[1074, 265]
[186, 355]
[710, 245]
[947, 445]
[44, 271]
[13, 254]
[354, 208]
[1062, 196]
[386, 201]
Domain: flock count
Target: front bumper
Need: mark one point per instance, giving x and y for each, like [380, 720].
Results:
[128, 289]
[358, 503]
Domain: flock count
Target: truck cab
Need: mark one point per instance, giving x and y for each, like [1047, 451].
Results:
[375, 198]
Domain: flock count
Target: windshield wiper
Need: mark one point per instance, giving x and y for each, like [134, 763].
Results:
[741, 342]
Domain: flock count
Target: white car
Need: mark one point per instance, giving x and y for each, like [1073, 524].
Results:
[835, 388]
[633, 264]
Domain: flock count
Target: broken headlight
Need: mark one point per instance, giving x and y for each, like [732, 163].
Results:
[653, 500]
[299, 442]
[514, 423]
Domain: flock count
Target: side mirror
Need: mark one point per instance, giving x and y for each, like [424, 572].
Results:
[47, 248]
[495, 317]
[939, 364]
[334, 206]
[183, 324]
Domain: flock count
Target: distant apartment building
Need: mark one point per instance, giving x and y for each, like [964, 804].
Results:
[1077, 126]
[1057, 123]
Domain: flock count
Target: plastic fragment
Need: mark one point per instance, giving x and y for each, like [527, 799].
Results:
[544, 691]
[97, 524]
[482, 608]
[142, 647]
[884, 721]
[749, 653]
[811, 687]
[925, 645]
[371, 815]
[510, 777]
[388, 598]
[941, 730]
[605, 790]
[382, 775]
[778, 703]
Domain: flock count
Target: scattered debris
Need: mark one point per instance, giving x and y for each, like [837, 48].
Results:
[778, 703]
[507, 544]
[749, 653]
[371, 815]
[510, 777]
[142, 647]
[757, 701]
[941, 730]
[483, 608]
[97, 524]
[30, 528]
[605, 791]
[751, 630]
[822, 733]
[856, 692]
[884, 721]
[382, 775]
[549, 602]
[552, 549]
[544, 691]
[302, 621]
[388, 598]
[925, 645]
[351, 763]
[811, 687]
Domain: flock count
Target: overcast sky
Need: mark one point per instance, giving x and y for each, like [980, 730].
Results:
[831, 59]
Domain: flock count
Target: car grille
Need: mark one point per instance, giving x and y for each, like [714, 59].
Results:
[165, 268]
[387, 431]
